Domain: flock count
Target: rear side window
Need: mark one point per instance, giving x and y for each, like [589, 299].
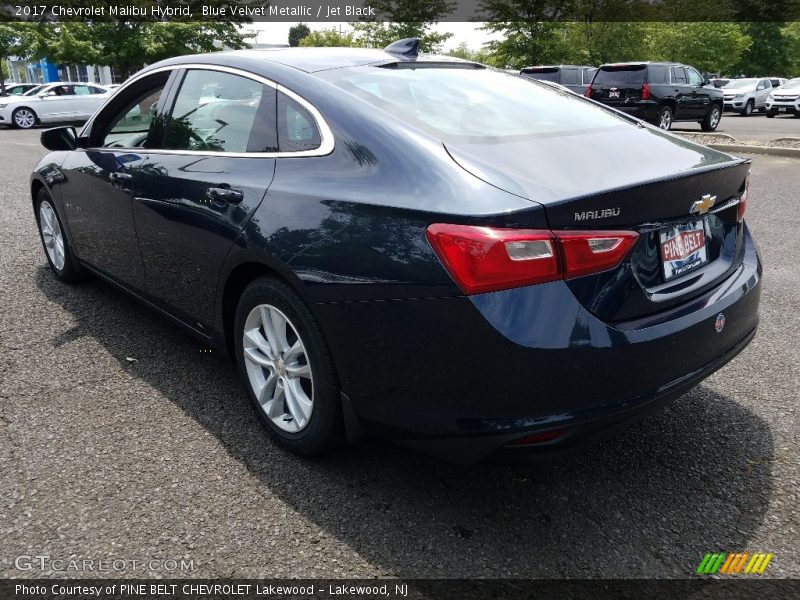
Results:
[618, 75]
[297, 130]
[657, 74]
[570, 76]
[588, 75]
[678, 75]
[222, 112]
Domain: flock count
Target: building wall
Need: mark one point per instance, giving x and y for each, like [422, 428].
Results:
[43, 71]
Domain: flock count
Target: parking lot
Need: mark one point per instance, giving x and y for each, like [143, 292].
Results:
[120, 438]
[756, 128]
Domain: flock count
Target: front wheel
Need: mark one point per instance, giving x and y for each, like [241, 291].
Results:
[24, 118]
[770, 115]
[748, 109]
[712, 119]
[665, 118]
[287, 369]
[56, 246]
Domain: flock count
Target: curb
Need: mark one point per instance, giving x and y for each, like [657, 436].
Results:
[746, 149]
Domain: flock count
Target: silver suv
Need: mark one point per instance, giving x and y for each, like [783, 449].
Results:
[785, 99]
[746, 95]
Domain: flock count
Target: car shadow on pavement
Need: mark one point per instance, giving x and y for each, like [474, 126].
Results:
[691, 478]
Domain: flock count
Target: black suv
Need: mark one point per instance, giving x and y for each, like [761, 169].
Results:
[658, 92]
[574, 77]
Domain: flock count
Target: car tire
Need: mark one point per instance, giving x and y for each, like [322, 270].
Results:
[770, 115]
[308, 420]
[748, 109]
[712, 119]
[54, 240]
[24, 118]
[665, 118]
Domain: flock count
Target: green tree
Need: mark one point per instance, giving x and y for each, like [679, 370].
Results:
[327, 37]
[15, 39]
[791, 36]
[480, 56]
[404, 19]
[297, 33]
[710, 47]
[768, 53]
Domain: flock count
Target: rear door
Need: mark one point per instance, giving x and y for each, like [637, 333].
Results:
[193, 196]
[682, 91]
[88, 98]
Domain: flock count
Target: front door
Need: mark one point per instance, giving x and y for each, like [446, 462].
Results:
[98, 203]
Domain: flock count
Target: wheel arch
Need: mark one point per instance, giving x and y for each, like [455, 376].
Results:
[33, 110]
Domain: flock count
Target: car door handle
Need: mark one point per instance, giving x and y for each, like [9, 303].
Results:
[221, 194]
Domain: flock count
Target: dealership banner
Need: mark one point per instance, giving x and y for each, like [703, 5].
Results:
[394, 589]
[402, 10]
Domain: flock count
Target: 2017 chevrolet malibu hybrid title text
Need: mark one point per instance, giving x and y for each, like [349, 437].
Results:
[463, 260]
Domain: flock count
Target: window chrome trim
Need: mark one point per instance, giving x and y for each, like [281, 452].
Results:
[326, 146]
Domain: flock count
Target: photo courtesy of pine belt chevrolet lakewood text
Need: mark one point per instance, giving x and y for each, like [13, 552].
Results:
[465, 261]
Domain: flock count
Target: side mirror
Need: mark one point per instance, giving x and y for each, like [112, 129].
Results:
[60, 138]
[706, 82]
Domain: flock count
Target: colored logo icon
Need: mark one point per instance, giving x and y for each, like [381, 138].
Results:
[723, 563]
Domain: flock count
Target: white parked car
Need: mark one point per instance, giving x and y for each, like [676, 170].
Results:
[59, 101]
[785, 99]
[746, 95]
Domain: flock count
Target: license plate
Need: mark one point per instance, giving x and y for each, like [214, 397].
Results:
[613, 94]
[781, 109]
[683, 248]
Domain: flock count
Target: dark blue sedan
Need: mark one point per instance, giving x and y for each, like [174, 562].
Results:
[417, 247]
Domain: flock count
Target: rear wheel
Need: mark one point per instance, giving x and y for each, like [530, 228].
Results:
[748, 109]
[24, 118]
[56, 246]
[665, 118]
[287, 369]
[770, 115]
[712, 119]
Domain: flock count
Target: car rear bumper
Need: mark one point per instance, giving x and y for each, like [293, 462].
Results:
[464, 377]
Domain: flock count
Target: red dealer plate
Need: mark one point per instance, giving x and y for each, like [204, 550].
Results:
[683, 249]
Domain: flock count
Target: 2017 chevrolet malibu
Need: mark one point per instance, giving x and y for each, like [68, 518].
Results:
[418, 247]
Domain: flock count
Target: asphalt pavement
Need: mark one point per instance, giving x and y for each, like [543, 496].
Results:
[120, 439]
[755, 128]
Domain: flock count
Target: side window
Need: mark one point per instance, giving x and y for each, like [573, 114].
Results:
[694, 77]
[297, 130]
[570, 77]
[131, 120]
[588, 75]
[96, 90]
[222, 112]
[765, 84]
[678, 75]
[82, 90]
[657, 74]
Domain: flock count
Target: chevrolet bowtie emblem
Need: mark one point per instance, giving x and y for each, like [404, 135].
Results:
[703, 205]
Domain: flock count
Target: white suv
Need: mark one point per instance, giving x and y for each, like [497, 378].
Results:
[785, 99]
[746, 95]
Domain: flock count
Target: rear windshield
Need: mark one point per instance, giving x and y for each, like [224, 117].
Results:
[482, 104]
[620, 75]
[542, 74]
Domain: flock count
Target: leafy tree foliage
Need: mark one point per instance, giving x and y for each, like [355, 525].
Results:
[327, 37]
[405, 19]
[297, 33]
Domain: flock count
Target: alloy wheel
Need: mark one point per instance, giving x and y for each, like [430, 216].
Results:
[713, 119]
[278, 368]
[24, 118]
[666, 120]
[52, 235]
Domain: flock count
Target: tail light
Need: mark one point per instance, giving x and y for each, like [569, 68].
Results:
[743, 200]
[589, 91]
[645, 91]
[486, 259]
